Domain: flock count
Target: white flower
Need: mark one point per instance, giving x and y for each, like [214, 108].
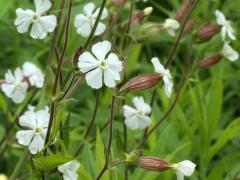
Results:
[34, 74]
[85, 22]
[41, 24]
[167, 78]
[184, 168]
[226, 26]
[137, 117]
[36, 124]
[171, 25]
[229, 53]
[15, 87]
[69, 170]
[100, 67]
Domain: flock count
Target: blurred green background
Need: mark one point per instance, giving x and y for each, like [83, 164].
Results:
[204, 127]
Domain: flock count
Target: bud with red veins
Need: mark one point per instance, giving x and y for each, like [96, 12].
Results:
[207, 32]
[189, 26]
[153, 164]
[208, 62]
[184, 9]
[141, 83]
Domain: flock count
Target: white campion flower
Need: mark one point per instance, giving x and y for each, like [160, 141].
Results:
[41, 25]
[15, 86]
[227, 29]
[184, 168]
[69, 170]
[100, 66]
[171, 25]
[229, 53]
[85, 22]
[137, 117]
[34, 74]
[36, 124]
[165, 73]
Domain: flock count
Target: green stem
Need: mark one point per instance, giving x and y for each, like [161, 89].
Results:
[19, 165]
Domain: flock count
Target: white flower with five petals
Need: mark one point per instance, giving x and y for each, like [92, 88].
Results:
[100, 66]
[165, 73]
[226, 26]
[171, 25]
[184, 168]
[69, 170]
[34, 74]
[229, 53]
[85, 22]
[137, 117]
[41, 24]
[15, 86]
[35, 124]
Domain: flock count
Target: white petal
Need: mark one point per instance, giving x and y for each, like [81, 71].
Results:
[42, 6]
[104, 13]
[101, 49]
[9, 77]
[18, 73]
[157, 65]
[85, 29]
[230, 32]
[8, 89]
[70, 176]
[28, 119]
[74, 165]
[19, 94]
[223, 33]
[29, 68]
[109, 78]
[221, 20]
[114, 63]
[229, 53]
[132, 122]
[87, 62]
[23, 20]
[38, 31]
[186, 167]
[79, 20]
[171, 32]
[49, 23]
[143, 121]
[36, 145]
[24, 137]
[100, 29]
[171, 24]
[138, 102]
[129, 111]
[94, 78]
[180, 176]
[89, 8]
[42, 118]
[168, 85]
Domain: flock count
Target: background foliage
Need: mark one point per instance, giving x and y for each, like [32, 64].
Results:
[203, 127]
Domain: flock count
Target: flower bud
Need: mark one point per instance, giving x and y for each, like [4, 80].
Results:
[211, 60]
[189, 26]
[182, 12]
[147, 11]
[141, 83]
[206, 32]
[153, 164]
[118, 3]
[148, 30]
[138, 17]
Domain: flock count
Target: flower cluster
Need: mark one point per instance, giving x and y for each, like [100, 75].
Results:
[17, 83]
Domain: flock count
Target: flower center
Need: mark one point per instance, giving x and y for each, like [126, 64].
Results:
[167, 73]
[35, 18]
[89, 18]
[140, 113]
[38, 130]
[104, 64]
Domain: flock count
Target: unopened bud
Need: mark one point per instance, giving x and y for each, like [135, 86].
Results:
[211, 60]
[147, 11]
[141, 83]
[148, 30]
[118, 3]
[182, 12]
[189, 26]
[206, 32]
[153, 164]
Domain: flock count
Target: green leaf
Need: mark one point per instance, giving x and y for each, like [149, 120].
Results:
[50, 162]
[228, 134]
[6, 5]
[83, 174]
[100, 155]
